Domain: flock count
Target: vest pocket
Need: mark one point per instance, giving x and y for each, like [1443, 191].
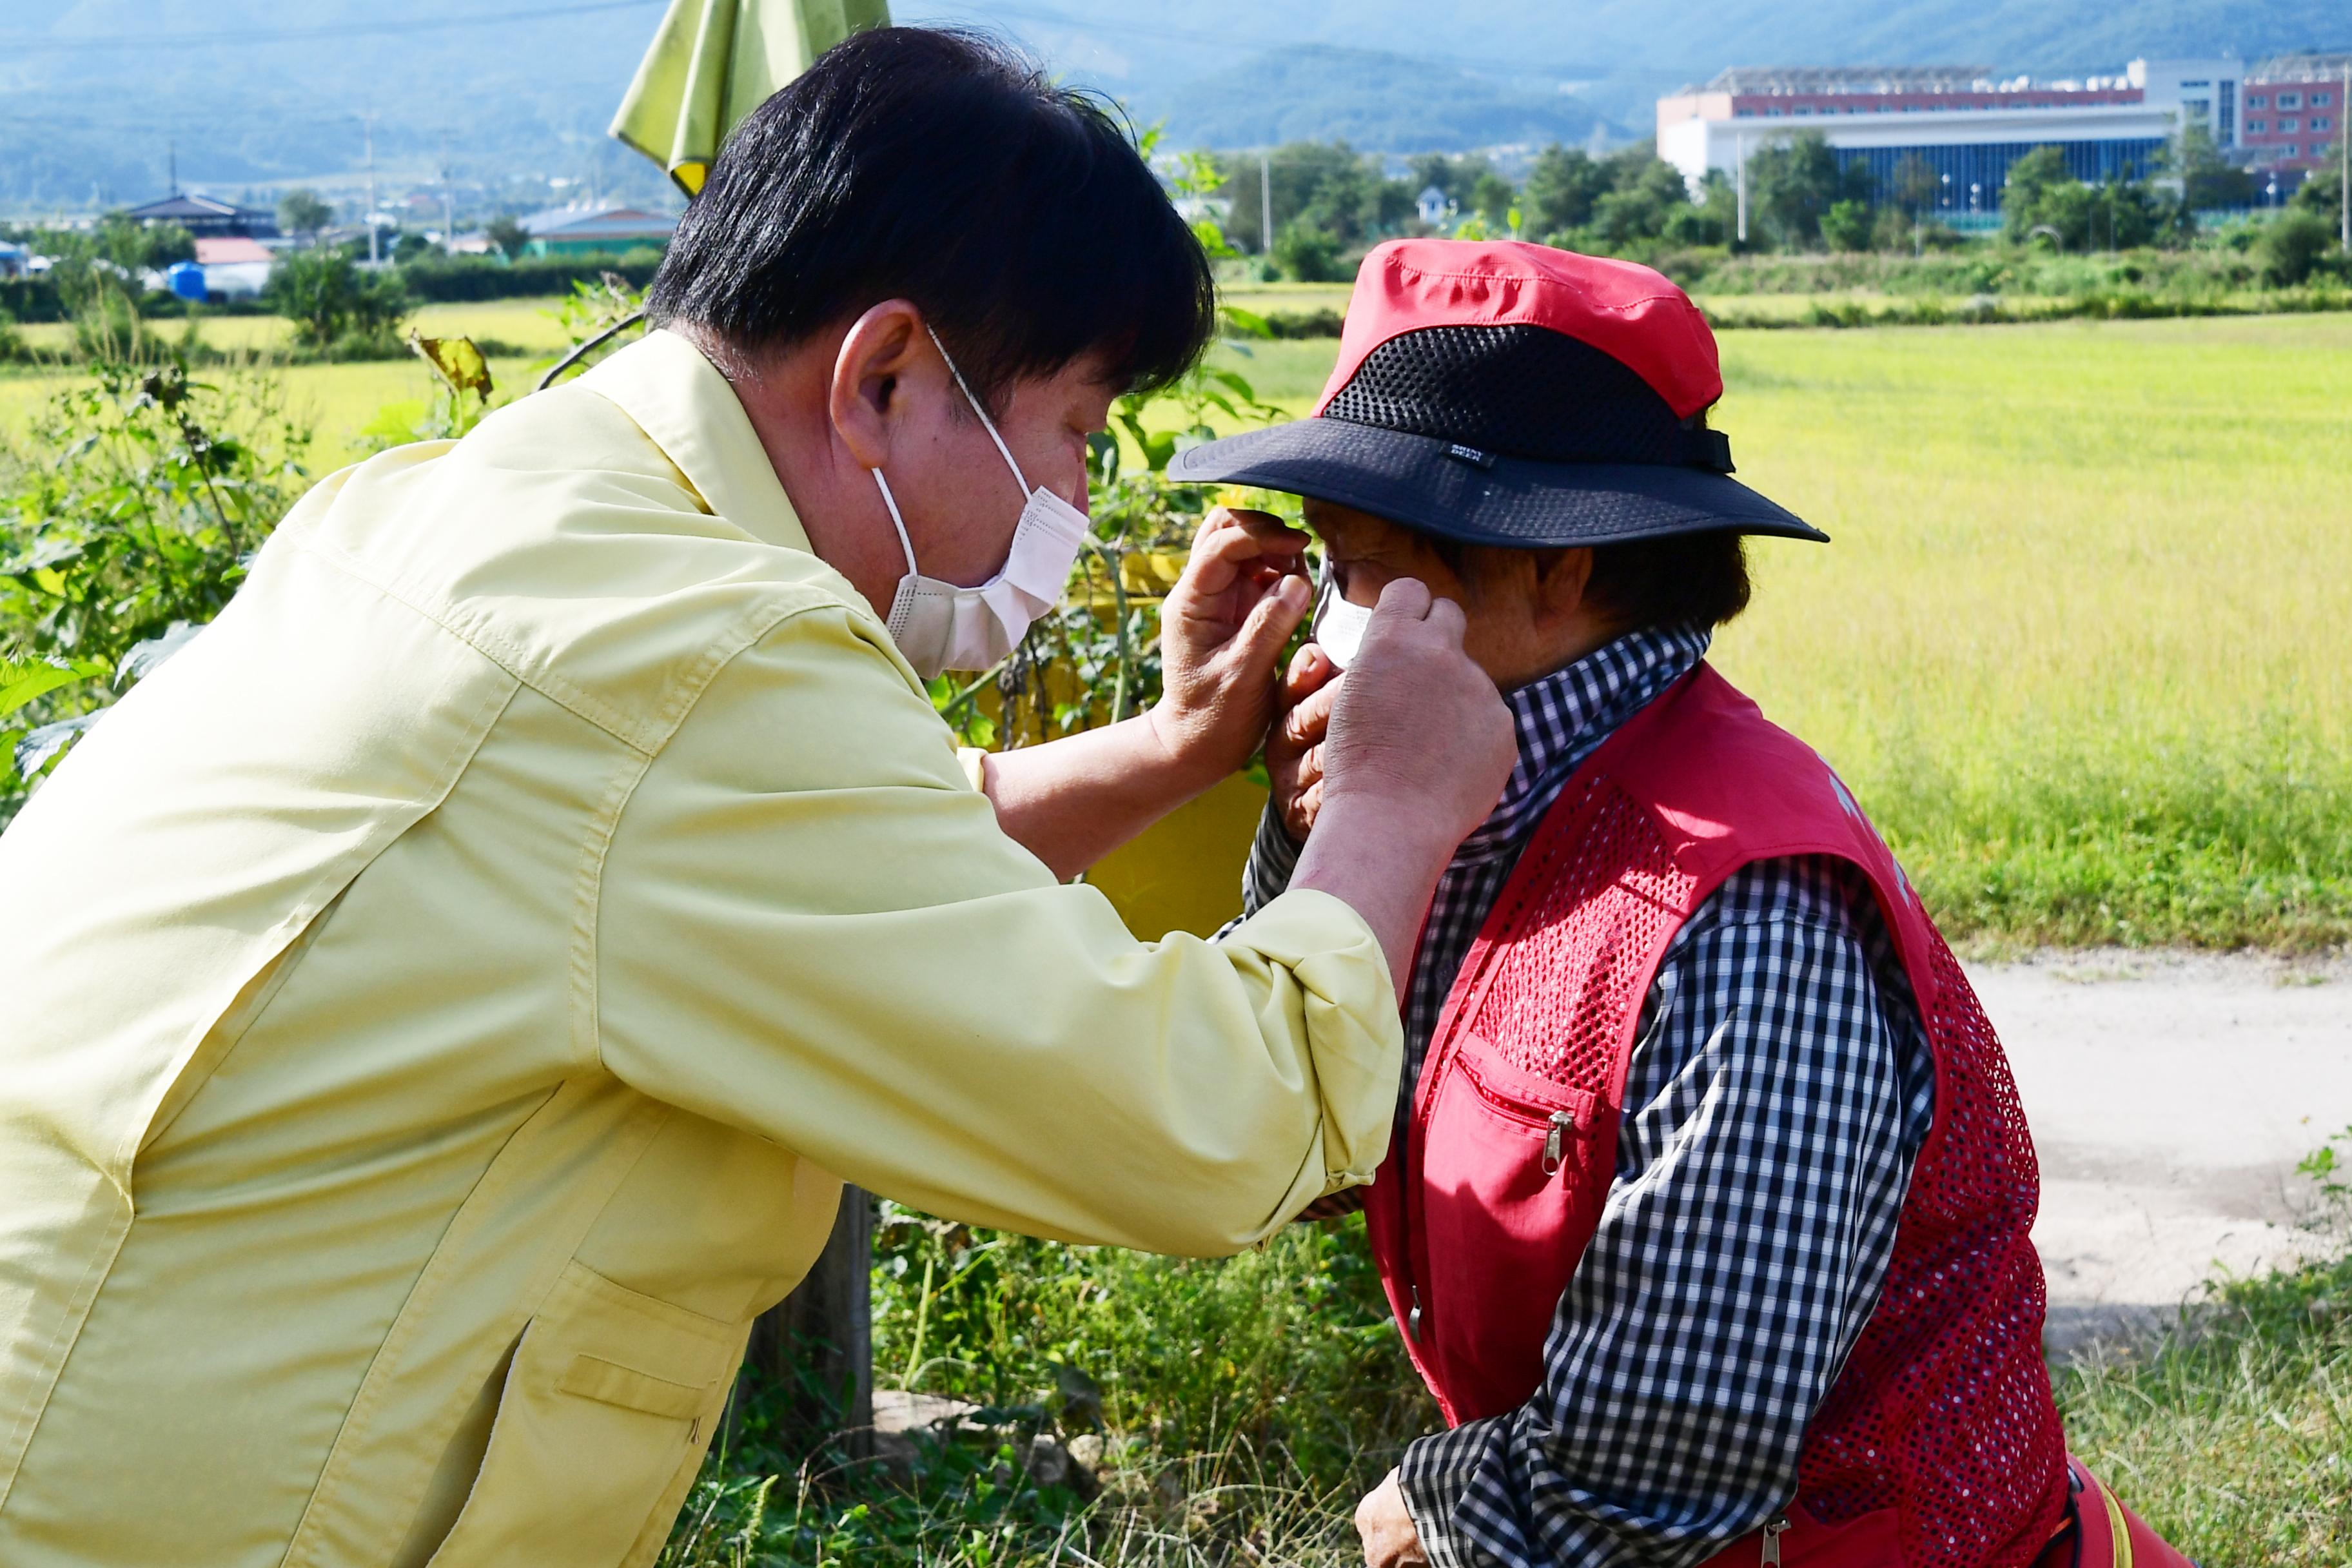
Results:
[611, 1394]
[1506, 1178]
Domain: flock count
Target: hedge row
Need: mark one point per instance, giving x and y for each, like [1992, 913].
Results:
[440, 279]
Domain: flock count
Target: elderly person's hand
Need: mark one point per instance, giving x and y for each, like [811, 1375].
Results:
[1220, 632]
[1387, 1529]
[1294, 747]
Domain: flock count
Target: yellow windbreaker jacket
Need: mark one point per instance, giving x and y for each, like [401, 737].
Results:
[442, 1004]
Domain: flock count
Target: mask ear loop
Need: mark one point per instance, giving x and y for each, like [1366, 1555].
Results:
[1019, 477]
[898, 522]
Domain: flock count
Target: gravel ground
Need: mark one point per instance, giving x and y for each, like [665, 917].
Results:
[2170, 1098]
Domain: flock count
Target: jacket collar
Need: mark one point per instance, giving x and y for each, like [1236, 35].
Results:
[690, 409]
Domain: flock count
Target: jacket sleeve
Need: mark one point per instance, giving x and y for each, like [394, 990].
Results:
[810, 926]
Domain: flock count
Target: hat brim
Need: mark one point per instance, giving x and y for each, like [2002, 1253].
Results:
[1427, 484]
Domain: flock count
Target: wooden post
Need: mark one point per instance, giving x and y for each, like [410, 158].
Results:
[819, 1340]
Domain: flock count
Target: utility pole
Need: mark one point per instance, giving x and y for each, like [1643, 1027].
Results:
[368, 120]
[1264, 204]
[171, 162]
[449, 203]
[1740, 164]
[2344, 161]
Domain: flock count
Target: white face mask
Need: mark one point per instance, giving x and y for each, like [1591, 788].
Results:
[945, 626]
[1339, 627]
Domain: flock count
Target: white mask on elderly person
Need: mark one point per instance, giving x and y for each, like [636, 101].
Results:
[1339, 628]
[941, 625]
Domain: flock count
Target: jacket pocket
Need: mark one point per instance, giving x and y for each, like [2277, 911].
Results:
[612, 1394]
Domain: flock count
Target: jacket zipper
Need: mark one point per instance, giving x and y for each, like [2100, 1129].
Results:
[1774, 1528]
[1412, 1319]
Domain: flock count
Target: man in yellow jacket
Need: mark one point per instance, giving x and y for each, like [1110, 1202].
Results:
[447, 999]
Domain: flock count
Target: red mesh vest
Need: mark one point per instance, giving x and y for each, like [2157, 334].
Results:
[1938, 1443]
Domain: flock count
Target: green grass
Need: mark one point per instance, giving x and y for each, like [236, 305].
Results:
[2233, 1434]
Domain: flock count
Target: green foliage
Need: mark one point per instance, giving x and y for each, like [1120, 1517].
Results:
[336, 307]
[1328, 188]
[1793, 183]
[1562, 187]
[2232, 1432]
[1287, 1349]
[2207, 179]
[2045, 200]
[443, 278]
[1308, 255]
[1847, 225]
[505, 232]
[302, 211]
[2322, 191]
[125, 525]
[2294, 245]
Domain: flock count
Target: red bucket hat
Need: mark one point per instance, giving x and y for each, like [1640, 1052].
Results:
[1505, 392]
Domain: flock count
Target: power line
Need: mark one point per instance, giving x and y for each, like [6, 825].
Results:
[29, 42]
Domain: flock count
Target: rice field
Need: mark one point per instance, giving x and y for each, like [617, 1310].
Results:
[2079, 643]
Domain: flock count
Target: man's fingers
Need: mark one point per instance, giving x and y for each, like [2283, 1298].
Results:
[1229, 540]
[1402, 598]
[1272, 621]
[1445, 616]
[1304, 722]
[1310, 670]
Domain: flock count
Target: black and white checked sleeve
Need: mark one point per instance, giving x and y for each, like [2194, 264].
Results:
[1272, 858]
[1771, 1124]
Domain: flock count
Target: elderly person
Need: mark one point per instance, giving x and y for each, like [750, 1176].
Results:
[445, 1001]
[1707, 1221]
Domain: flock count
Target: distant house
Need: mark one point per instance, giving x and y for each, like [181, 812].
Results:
[1432, 205]
[234, 267]
[15, 259]
[600, 230]
[208, 215]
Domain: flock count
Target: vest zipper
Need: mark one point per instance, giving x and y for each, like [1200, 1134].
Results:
[1412, 1319]
[1562, 1123]
[1774, 1528]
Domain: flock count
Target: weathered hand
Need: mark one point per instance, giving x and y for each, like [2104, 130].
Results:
[1221, 630]
[1390, 1539]
[1417, 731]
[1294, 747]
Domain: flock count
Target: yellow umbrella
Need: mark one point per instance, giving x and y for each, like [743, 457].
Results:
[714, 62]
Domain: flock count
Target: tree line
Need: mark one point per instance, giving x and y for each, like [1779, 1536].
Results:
[1329, 202]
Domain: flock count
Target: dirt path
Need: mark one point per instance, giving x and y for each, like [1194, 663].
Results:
[2170, 1098]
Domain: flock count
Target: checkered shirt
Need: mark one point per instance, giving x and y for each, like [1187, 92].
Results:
[1772, 1113]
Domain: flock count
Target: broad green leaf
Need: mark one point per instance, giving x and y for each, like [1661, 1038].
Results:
[21, 683]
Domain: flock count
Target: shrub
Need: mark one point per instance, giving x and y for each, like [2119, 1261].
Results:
[1847, 225]
[333, 304]
[2293, 249]
[1308, 255]
[125, 525]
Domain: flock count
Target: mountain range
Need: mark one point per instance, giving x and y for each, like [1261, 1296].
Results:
[103, 101]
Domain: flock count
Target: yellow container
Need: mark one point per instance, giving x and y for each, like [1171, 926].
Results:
[1184, 873]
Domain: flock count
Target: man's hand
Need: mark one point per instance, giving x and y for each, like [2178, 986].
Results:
[1221, 631]
[1416, 752]
[1294, 747]
[1390, 1539]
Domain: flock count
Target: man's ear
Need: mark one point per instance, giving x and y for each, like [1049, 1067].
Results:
[864, 396]
[1562, 580]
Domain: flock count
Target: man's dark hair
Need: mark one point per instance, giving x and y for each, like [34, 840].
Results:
[1678, 580]
[938, 167]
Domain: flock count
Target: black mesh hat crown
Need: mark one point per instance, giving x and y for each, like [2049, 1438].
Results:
[1522, 391]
